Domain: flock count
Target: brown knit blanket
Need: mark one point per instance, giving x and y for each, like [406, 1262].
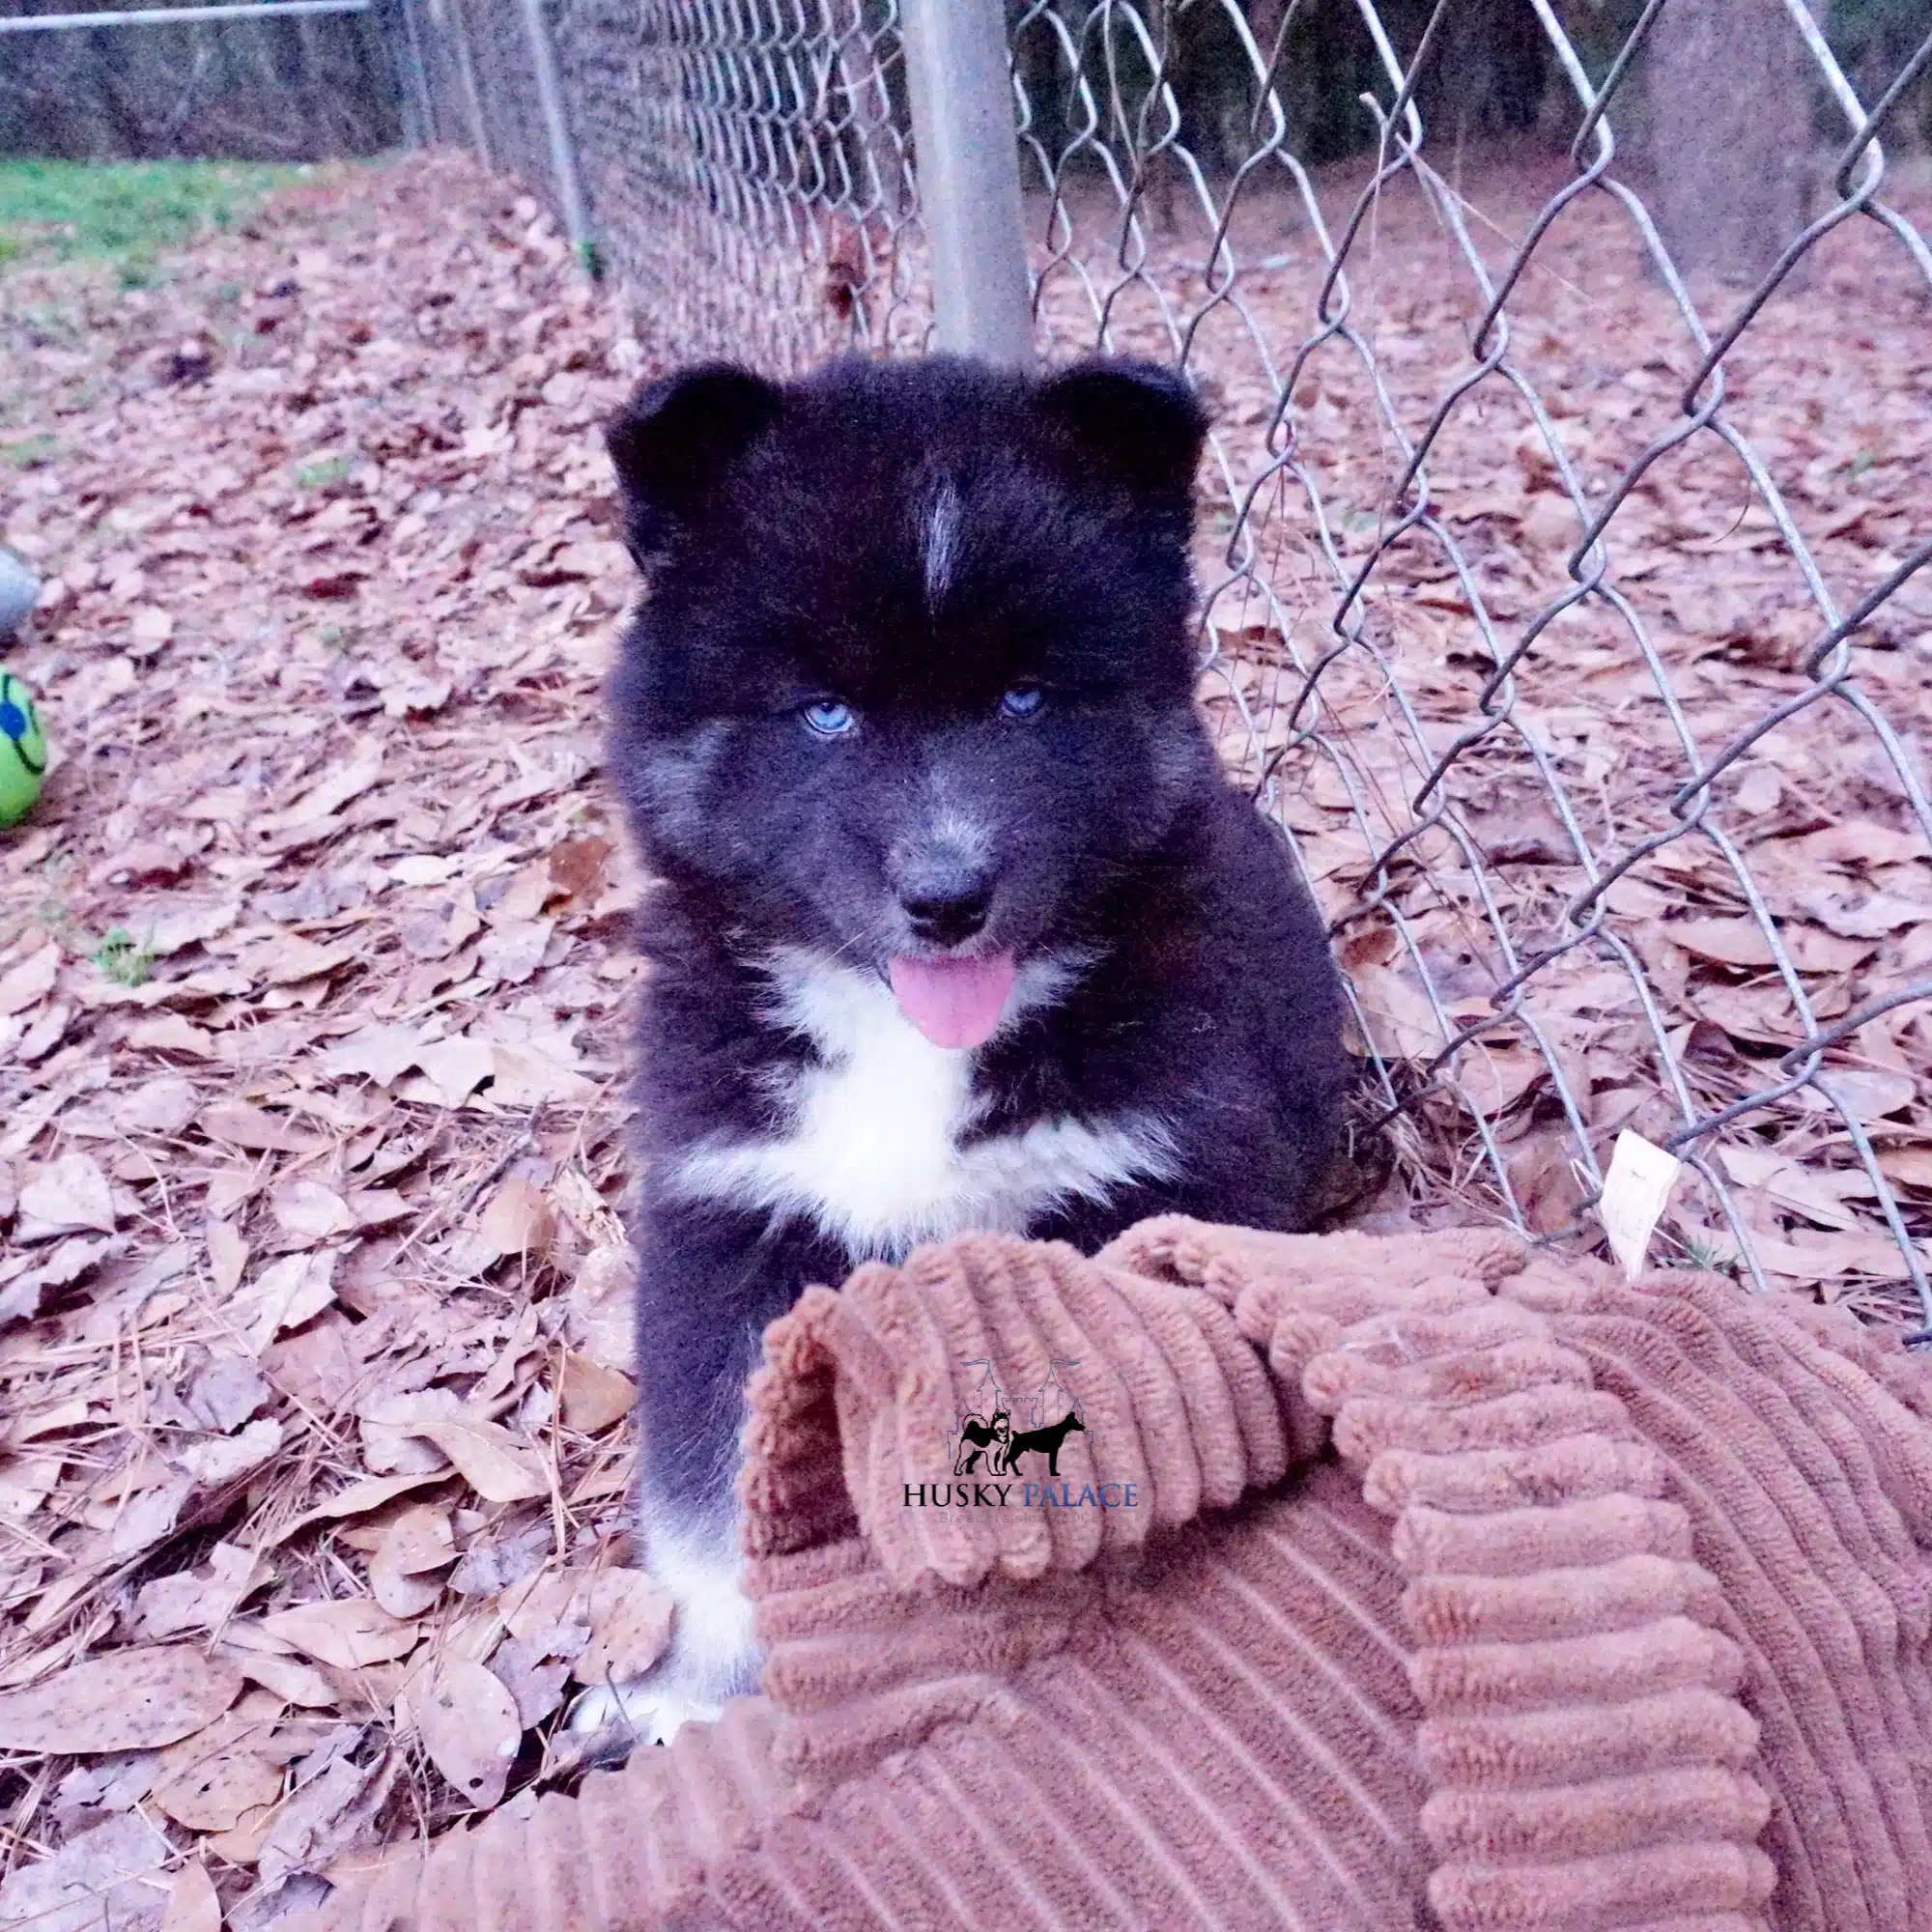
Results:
[1387, 1583]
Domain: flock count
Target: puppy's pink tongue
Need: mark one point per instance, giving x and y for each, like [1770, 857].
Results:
[954, 1002]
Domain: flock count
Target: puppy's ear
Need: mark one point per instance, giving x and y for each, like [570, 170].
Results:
[1135, 426]
[674, 441]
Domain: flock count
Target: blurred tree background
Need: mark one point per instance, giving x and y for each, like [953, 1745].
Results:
[1722, 86]
[301, 89]
[1492, 72]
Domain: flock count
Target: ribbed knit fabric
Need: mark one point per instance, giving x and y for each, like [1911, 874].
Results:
[1461, 1588]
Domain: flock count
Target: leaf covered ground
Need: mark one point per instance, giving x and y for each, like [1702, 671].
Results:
[312, 1309]
[313, 966]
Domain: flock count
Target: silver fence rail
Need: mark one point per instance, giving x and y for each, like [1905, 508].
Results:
[1563, 558]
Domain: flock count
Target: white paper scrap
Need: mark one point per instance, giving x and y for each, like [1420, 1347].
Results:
[1638, 1184]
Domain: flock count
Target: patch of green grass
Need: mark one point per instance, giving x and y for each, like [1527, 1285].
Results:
[319, 475]
[1707, 1257]
[122, 959]
[124, 211]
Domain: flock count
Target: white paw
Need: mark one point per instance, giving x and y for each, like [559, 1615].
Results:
[651, 1710]
[712, 1656]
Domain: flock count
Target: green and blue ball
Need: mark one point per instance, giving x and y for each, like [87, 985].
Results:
[23, 750]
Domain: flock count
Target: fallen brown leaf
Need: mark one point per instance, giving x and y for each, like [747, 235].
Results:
[194, 1904]
[1907, 1166]
[1731, 941]
[107, 1877]
[126, 1700]
[536, 1683]
[1870, 1092]
[417, 1542]
[287, 1294]
[456, 1068]
[602, 1309]
[1805, 1190]
[150, 625]
[325, 1818]
[517, 1220]
[161, 1106]
[611, 1624]
[311, 1212]
[593, 1396]
[200, 1599]
[224, 1393]
[31, 980]
[243, 1126]
[358, 1499]
[210, 1781]
[288, 1677]
[170, 1033]
[64, 1195]
[348, 1633]
[470, 1730]
[227, 1256]
[494, 1463]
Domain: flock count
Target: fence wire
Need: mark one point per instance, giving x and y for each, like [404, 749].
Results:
[1567, 613]
[746, 159]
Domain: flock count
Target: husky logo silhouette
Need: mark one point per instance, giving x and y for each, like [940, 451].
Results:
[1043, 1442]
[984, 1425]
[993, 1433]
[977, 1436]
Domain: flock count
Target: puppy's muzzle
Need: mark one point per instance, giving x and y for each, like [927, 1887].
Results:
[945, 897]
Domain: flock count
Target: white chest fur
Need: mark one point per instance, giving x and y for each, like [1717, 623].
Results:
[871, 1151]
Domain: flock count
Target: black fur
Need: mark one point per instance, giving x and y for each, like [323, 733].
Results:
[782, 528]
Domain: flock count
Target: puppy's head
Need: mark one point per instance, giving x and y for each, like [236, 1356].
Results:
[913, 677]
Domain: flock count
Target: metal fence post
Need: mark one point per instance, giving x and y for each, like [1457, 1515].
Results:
[410, 62]
[465, 67]
[562, 153]
[967, 158]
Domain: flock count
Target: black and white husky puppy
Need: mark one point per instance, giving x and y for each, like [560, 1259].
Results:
[958, 925]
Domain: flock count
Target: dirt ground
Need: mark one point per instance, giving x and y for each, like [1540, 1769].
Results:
[313, 966]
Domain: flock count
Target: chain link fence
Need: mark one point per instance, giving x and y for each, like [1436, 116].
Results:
[763, 202]
[237, 86]
[1564, 605]
[748, 160]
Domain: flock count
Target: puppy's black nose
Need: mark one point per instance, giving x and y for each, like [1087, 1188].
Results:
[947, 907]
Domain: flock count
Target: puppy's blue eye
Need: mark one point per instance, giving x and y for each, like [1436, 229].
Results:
[1023, 700]
[828, 717]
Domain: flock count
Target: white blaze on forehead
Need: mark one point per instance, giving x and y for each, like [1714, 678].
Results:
[941, 542]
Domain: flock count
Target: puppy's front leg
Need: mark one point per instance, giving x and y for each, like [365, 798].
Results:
[710, 1278]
